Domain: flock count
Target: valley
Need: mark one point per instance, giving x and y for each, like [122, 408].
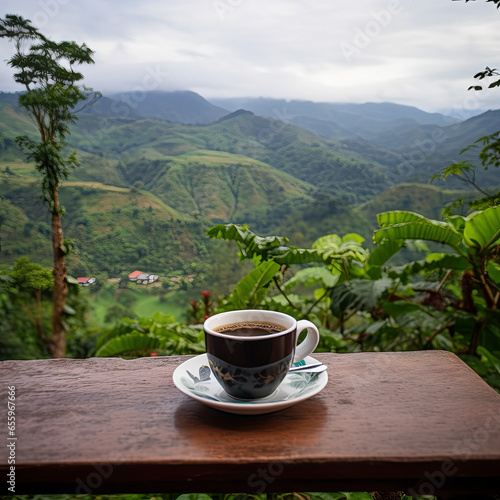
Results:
[148, 188]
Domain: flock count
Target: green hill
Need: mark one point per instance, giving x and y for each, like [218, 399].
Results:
[425, 199]
[116, 229]
[327, 165]
[147, 189]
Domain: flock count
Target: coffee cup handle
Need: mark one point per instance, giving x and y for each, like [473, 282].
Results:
[307, 346]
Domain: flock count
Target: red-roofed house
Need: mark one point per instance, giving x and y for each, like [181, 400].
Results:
[142, 278]
[133, 276]
[85, 281]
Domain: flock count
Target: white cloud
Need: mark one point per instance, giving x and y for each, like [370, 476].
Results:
[421, 53]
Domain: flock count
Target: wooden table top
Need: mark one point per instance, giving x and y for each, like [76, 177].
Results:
[422, 422]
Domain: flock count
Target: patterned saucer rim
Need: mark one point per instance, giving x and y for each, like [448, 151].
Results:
[253, 407]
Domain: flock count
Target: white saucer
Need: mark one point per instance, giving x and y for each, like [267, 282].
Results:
[295, 388]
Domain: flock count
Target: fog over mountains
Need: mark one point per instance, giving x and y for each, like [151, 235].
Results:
[380, 130]
[396, 136]
[191, 108]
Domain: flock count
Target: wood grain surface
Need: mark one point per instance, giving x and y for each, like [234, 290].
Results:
[416, 421]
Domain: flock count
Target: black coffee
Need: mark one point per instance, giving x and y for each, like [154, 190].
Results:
[250, 328]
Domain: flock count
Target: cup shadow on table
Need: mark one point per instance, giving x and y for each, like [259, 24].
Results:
[204, 425]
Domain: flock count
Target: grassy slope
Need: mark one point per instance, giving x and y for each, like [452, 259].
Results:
[241, 169]
[14, 122]
[182, 166]
[327, 165]
[115, 229]
[145, 305]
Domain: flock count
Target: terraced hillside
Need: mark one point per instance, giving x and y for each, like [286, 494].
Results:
[147, 189]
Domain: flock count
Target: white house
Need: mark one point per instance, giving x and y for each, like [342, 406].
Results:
[143, 278]
[85, 281]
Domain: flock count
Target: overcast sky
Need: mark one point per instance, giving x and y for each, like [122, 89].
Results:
[417, 52]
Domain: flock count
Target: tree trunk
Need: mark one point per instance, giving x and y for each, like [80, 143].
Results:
[57, 341]
[38, 320]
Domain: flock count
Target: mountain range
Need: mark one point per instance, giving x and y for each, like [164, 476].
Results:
[157, 169]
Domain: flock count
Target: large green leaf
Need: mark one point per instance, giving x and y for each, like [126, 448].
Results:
[130, 342]
[334, 248]
[483, 229]
[458, 222]
[292, 255]
[248, 242]
[495, 362]
[383, 252]
[440, 261]
[433, 262]
[445, 261]
[358, 495]
[252, 289]
[360, 294]
[400, 308]
[426, 230]
[328, 242]
[327, 496]
[386, 219]
[262, 248]
[313, 275]
[494, 272]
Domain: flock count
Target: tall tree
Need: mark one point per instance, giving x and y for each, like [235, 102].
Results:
[46, 71]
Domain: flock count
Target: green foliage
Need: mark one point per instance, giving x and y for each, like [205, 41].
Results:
[490, 153]
[252, 289]
[258, 248]
[130, 342]
[489, 156]
[482, 230]
[362, 302]
[400, 225]
[18, 316]
[476, 239]
[359, 294]
[488, 72]
[51, 95]
[31, 277]
[25, 309]
[138, 337]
